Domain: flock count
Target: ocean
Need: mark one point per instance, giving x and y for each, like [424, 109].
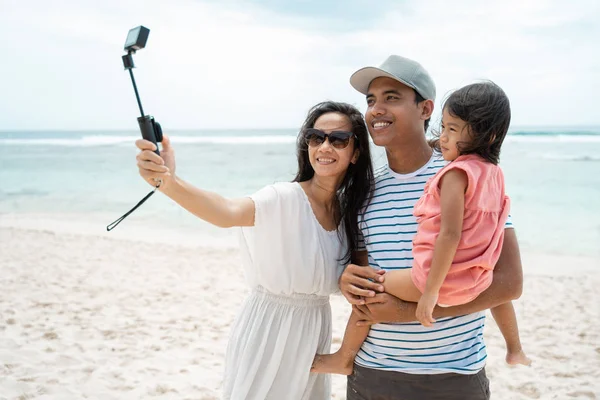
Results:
[90, 177]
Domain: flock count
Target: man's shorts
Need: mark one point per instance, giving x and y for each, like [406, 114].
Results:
[374, 384]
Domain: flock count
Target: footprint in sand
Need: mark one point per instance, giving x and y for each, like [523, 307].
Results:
[581, 395]
[50, 336]
[529, 390]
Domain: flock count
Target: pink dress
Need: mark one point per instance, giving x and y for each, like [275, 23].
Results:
[486, 211]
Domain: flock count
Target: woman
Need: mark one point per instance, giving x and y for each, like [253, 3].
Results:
[295, 239]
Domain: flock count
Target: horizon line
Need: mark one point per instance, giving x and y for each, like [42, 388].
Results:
[16, 130]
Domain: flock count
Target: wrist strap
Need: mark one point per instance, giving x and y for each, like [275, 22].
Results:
[114, 224]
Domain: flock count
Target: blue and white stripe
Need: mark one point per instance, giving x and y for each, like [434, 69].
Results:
[388, 228]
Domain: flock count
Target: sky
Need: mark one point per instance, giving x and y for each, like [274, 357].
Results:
[235, 64]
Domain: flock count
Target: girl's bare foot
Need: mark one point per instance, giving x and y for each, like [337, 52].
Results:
[518, 357]
[334, 363]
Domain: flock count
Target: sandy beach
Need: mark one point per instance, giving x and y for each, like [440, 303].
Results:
[145, 311]
[101, 317]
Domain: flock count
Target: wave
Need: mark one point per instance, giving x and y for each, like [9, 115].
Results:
[102, 140]
[24, 192]
[555, 132]
[570, 157]
[114, 140]
[559, 138]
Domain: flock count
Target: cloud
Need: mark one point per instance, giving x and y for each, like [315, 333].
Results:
[251, 65]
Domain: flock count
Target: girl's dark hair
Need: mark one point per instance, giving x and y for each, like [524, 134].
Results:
[486, 110]
[356, 189]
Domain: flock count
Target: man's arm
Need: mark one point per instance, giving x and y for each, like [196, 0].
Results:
[507, 285]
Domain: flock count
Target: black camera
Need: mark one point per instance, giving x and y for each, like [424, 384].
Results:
[136, 40]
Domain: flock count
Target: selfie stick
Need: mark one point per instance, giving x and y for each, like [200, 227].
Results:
[129, 65]
[136, 40]
[151, 130]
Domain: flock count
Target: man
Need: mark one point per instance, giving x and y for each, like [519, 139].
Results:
[401, 359]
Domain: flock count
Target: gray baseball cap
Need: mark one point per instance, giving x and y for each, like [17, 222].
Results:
[402, 69]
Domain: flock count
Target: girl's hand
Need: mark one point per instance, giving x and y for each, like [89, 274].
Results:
[425, 308]
[153, 167]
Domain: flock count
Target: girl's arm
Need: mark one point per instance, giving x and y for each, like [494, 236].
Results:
[452, 200]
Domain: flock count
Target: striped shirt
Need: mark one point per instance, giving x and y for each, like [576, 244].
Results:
[388, 226]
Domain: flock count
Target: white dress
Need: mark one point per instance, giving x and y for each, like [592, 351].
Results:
[292, 265]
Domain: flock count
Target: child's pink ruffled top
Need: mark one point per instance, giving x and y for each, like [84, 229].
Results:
[486, 211]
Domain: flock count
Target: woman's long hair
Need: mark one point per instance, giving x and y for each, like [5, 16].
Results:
[356, 189]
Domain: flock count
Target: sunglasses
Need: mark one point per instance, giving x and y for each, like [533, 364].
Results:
[338, 139]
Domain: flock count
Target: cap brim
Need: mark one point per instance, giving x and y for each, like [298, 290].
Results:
[361, 79]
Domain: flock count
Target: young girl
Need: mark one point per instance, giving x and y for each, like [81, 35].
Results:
[295, 237]
[461, 217]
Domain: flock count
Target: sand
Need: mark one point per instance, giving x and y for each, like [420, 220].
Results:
[103, 317]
